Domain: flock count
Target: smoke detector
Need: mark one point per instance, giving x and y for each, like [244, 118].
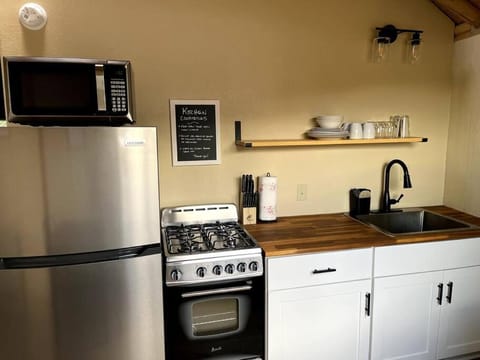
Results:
[32, 16]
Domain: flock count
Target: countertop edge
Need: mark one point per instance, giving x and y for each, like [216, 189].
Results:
[306, 234]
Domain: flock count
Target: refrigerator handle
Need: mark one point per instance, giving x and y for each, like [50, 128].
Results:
[80, 258]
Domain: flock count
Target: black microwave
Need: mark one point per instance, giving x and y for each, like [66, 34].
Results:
[67, 91]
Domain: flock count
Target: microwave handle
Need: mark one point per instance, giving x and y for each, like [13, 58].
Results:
[216, 291]
[100, 81]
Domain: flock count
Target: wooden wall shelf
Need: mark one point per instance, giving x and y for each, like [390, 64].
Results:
[316, 142]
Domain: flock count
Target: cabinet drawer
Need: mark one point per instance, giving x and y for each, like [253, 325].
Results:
[432, 256]
[320, 268]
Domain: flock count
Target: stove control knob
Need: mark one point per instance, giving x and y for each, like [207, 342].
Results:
[201, 271]
[253, 266]
[217, 270]
[176, 275]
[242, 267]
[229, 269]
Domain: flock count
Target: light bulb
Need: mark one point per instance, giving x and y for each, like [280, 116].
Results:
[414, 49]
[380, 49]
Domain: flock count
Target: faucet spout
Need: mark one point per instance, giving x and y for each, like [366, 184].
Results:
[407, 183]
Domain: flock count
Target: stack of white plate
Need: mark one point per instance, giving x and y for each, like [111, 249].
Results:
[329, 134]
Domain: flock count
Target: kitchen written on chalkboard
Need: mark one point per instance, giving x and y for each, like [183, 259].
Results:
[195, 132]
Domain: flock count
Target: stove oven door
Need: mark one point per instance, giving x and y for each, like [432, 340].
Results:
[222, 321]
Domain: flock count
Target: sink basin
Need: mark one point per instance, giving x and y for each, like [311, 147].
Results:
[412, 221]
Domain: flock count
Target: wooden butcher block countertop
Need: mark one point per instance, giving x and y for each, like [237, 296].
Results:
[329, 232]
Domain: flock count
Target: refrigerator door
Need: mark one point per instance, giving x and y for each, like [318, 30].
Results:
[70, 190]
[95, 311]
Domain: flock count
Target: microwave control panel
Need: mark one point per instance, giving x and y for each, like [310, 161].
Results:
[116, 79]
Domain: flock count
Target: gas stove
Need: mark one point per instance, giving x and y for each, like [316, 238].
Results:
[205, 243]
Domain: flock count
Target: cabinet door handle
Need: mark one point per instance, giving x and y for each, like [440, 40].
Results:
[449, 292]
[440, 294]
[316, 271]
[367, 304]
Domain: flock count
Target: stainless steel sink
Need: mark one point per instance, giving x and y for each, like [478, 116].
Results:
[412, 221]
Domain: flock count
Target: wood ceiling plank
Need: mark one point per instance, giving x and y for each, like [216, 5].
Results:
[457, 19]
[476, 3]
[462, 30]
[460, 9]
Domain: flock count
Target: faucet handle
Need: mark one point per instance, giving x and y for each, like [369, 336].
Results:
[395, 201]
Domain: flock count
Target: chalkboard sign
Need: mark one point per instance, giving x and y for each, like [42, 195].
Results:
[195, 132]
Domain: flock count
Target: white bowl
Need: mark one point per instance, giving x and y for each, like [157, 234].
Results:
[329, 121]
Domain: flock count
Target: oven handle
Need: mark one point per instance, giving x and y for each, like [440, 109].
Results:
[216, 291]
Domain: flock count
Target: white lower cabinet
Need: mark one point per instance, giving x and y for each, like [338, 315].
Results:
[460, 313]
[406, 317]
[327, 316]
[426, 302]
[420, 302]
[319, 322]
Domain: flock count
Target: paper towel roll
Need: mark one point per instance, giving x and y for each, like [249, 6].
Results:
[267, 203]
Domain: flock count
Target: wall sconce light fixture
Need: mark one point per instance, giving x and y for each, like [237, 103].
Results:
[387, 35]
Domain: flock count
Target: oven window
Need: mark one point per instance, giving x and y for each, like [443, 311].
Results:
[214, 317]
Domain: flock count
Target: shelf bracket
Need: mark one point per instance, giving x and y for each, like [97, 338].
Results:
[238, 131]
[238, 135]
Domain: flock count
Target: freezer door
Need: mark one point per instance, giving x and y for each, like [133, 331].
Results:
[70, 190]
[97, 311]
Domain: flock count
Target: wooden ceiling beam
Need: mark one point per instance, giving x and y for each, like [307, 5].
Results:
[456, 18]
[475, 3]
[463, 31]
[460, 9]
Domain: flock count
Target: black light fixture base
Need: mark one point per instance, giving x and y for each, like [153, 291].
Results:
[391, 33]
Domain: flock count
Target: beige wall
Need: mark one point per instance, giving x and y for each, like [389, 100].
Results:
[463, 165]
[273, 64]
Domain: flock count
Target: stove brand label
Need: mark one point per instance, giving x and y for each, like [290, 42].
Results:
[215, 349]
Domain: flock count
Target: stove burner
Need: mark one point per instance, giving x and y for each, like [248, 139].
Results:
[185, 239]
[198, 238]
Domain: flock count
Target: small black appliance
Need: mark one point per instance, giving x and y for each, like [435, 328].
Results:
[359, 201]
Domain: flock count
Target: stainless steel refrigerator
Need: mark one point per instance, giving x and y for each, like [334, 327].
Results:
[80, 255]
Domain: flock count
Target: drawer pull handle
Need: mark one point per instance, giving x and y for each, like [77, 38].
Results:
[440, 293]
[316, 271]
[449, 292]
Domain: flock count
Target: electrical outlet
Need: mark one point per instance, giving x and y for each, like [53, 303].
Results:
[301, 192]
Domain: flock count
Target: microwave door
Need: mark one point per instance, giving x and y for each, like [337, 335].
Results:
[52, 89]
[99, 310]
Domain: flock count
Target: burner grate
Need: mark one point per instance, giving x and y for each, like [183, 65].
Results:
[186, 239]
[190, 239]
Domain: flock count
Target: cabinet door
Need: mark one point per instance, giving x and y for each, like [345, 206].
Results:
[460, 316]
[405, 317]
[319, 322]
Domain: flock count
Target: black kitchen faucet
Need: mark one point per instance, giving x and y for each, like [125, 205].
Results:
[407, 184]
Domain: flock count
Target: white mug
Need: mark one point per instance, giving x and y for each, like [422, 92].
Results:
[356, 131]
[369, 130]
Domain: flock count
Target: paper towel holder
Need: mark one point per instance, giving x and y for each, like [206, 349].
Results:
[267, 204]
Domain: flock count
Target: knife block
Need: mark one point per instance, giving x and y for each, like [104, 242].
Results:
[249, 215]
